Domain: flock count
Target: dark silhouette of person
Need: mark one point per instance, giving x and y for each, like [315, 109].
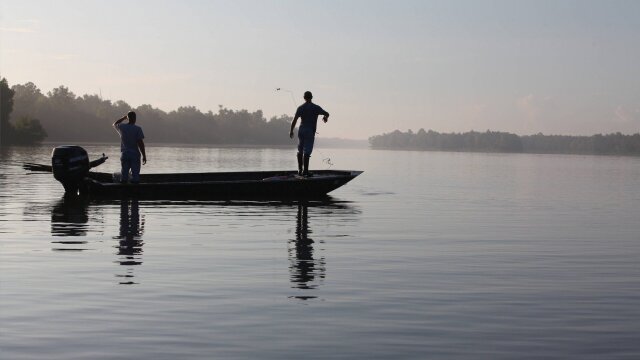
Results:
[131, 146]
[309, 113]
[130, 237]
[304, 268]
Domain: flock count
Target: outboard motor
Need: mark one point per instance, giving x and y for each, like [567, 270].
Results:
[70, 164]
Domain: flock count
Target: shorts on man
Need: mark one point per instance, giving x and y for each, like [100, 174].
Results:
[306, 138]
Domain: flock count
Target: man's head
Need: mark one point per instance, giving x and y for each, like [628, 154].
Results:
[132, 117]
[308, 96]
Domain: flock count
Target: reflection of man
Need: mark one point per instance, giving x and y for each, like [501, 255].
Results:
[130, 243]
[304, 267]
[131, 146]
[309, 113]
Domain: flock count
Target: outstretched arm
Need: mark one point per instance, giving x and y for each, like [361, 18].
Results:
[144, 154]
[293, 125]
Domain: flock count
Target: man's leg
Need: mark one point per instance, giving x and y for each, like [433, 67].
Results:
[308, 148]
[135, 169]
[299, 155]
[125, 166]
[301, 141]
[306, 165]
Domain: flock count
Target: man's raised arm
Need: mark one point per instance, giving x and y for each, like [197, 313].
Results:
[115, 123]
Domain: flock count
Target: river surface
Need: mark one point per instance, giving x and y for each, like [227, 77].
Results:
[426, 255]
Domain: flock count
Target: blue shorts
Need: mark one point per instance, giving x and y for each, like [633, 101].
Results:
[306, 138]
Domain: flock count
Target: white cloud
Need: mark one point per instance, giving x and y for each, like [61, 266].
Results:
[22, 26]
[549, 114]
[626, 116]
[149, 78]
[62, 56]
[17, 29]
[534, 107]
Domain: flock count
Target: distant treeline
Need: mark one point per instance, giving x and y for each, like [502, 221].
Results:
[62, 116]
[494, 141]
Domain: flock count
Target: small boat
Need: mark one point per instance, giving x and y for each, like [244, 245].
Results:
[232, 185]
[71, 165]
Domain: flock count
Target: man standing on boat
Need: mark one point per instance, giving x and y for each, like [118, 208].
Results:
[131, 146]
[309, 113]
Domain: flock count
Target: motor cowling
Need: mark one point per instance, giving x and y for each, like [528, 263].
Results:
[70, 164]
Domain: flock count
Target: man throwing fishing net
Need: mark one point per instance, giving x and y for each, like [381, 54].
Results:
[309, 113]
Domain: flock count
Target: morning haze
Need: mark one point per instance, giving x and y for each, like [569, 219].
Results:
[567, 67]
[444, 201]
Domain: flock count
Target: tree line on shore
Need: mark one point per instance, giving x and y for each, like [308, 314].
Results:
[29, 116]
[495, 141]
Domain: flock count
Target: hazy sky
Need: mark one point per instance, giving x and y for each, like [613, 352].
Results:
[569, 67]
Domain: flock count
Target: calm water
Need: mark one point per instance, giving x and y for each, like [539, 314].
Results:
[425, 255]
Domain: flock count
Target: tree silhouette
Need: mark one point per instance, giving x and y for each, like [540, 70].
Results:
[26, 130]
[66, 117]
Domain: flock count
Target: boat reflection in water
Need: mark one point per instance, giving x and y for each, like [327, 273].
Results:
[69, 218]
[130, 238]
[74, 217]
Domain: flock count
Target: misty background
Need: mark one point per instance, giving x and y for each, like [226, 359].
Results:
[523, 67]
[68, 117]
[29, 116]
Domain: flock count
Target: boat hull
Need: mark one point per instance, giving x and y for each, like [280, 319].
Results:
[228, 185]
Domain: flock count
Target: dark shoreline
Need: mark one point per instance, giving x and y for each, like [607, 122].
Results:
[504, 142]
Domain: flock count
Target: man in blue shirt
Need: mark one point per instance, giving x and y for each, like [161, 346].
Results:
[309, 113]
[131, 146]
